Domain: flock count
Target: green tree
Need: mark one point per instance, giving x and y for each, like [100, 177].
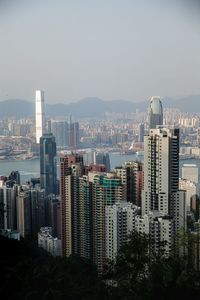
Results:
[139, 273]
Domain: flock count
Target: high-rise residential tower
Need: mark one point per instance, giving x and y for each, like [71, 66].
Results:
[68, 183]
[161, 192]
[119, 223]
[155, 112]
[39, 115]
[48, 163]
[107, 189]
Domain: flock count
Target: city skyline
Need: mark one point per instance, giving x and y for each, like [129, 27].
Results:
[100, 184]
[111, 50]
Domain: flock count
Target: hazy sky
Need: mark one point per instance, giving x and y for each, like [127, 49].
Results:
[111, 49]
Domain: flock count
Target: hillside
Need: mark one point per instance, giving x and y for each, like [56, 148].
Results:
[93, 107]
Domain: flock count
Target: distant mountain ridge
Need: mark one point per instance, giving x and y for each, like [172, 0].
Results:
[93, 107]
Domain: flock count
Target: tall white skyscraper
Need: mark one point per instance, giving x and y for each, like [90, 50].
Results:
[39, 114]
[161, 176]
[155, 112]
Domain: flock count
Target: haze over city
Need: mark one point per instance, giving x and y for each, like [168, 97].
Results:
[108, 49]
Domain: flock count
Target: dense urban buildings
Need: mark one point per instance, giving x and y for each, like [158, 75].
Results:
[66, 133]
[119, 223]
[48, 242]
[91, 209]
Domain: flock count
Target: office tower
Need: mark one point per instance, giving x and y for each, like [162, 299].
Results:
[60, 131]
[119, 222]
[155, 112]
[103, 159]
[190, 172]
[161, 192]
[73, 135]
[39, 115]
[141, 133]
[90, 158]
[48, 164]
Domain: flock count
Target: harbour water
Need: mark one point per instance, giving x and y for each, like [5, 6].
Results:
[30, 168]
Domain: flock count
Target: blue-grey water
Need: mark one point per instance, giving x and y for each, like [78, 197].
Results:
[30, 168]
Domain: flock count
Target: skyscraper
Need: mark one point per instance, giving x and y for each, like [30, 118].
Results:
[103, 159]
[132, 176]
[141, 133]
[119, 222]
[8, 205]
[68, 183]
[48, 163]
[155, 112]
[60, 131]
[107, 189]
[39, 115]
[73, 134]
[24, 213]
[161, 192]
[135, 181]
[30, 204]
